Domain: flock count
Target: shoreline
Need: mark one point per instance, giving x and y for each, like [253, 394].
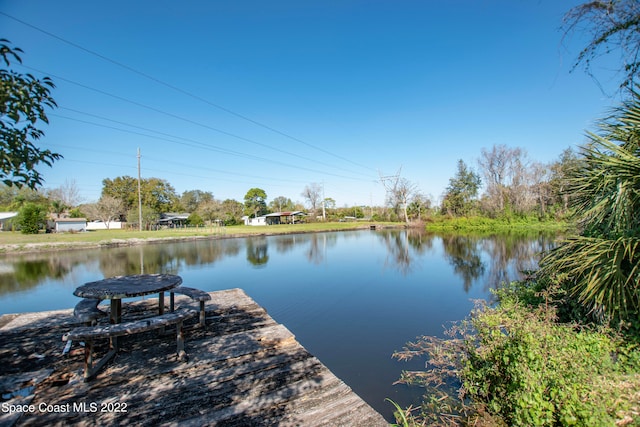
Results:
[9, 249]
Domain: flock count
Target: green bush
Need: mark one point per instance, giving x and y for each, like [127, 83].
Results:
[531, 371]
[517, 365]
[32, 218]
[195, 220]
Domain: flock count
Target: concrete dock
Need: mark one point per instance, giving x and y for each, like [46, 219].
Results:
[244, 369]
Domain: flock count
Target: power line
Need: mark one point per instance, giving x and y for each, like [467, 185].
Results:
[157, 110]
[182, 91]
[207, 147]
[198, 144]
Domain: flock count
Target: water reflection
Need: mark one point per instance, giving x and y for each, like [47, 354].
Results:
[258, 251]
[28, 271]
[463, 253]
[404, 247]
[497, 258]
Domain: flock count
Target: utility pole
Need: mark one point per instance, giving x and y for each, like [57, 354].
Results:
[139, 196]
[324, 214]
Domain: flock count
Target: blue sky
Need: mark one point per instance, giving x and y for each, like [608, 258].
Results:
[224, 96]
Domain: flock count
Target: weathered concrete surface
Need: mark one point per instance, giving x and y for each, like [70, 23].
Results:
[244, 369]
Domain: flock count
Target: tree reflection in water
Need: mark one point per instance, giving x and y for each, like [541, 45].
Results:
[463, 254]
[508, 255]
[258, 251]
[496, 258]
[404, 247]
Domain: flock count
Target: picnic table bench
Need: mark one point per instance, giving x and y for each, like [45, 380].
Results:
[87, 311]
[90, 333]
[194, 294]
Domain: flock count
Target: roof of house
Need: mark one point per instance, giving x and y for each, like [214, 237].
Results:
[7, 215]
[286, 213]
[70, 219]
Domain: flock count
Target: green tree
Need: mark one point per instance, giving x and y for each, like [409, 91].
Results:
[58, 207]
[25, 100]
[32, 218]
[195, 220]
[255, 202]
[149, 217]
[157, 193]
[124, 188]
[190, 200]
[602, 265]
[461, 191]
[233, 211]
[560, 171]
[281, 204]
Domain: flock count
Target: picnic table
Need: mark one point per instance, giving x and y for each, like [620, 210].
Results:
[116, 289]
[119, 287]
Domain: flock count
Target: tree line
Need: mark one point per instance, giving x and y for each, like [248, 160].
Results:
[513, 186]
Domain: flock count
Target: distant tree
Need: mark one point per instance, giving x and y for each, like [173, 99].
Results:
[419, 206]
[312, 194]
[210, 210]
[540, 186]
[107, 209]
[124, 188]
[76, 213]
[190, 200]
[58, 207]
[233, 211]
[559, 180]
[399, 192]
[506, 180]
[149, 217]
[281, 204]
[462, 191]
[32, 218]
[25, 100]
[157, 193]
[195, 220]
[329, 205]
[68, 193]
[614, 27]
[13, 198]
[255, 202]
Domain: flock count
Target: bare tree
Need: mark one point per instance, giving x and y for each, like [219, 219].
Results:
[67, 194]
[313, 195]
[506, 173]
[107, 209]
[399, 192]
[614, 28]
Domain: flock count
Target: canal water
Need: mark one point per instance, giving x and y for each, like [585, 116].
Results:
[351, 298]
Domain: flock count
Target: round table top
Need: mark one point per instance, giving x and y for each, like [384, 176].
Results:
[128, 286]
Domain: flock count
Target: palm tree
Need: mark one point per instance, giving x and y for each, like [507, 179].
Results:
[58, 207]
[602, 264]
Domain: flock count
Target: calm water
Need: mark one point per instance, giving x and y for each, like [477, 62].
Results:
[351, 298]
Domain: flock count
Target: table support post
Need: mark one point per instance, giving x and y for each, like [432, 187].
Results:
[116, 315]
[161, 303]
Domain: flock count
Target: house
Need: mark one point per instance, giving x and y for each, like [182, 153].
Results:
[275, 218]
[173, 219]
[5, 217]
[61, 225]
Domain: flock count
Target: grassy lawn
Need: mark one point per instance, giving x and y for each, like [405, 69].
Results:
[11, 241]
